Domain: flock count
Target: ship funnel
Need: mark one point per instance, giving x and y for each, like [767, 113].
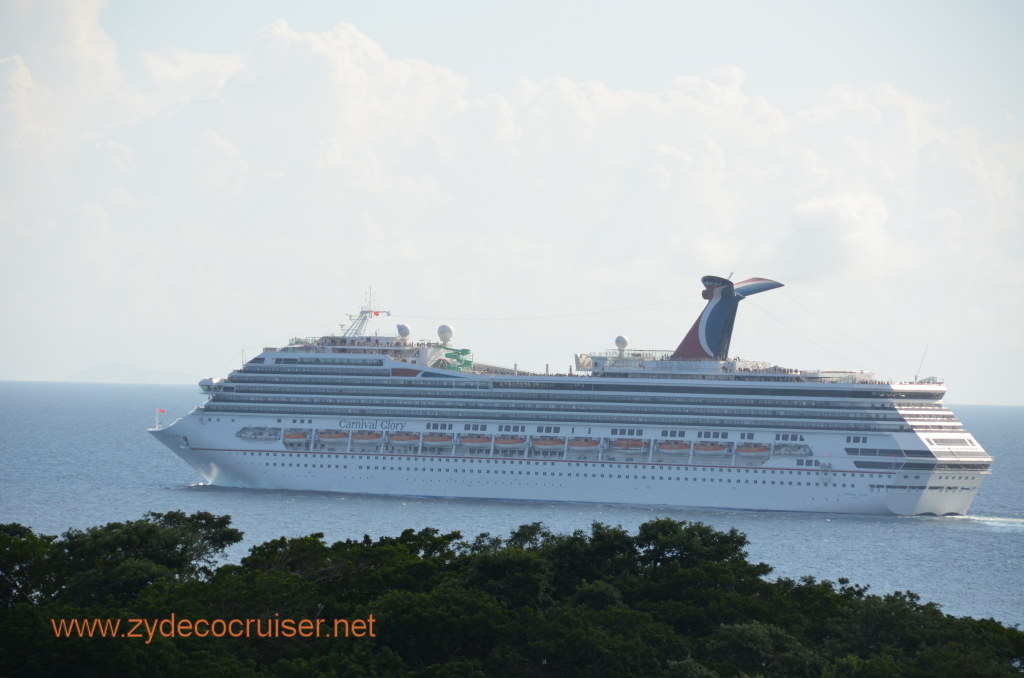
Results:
[709, 337]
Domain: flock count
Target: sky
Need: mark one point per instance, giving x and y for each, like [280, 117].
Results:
[182, 184]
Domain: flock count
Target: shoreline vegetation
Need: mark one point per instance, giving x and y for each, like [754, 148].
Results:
[675, 599]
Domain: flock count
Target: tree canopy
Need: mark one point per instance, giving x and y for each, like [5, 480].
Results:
[675, 599]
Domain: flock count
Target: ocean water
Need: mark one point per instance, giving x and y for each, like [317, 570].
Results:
[78, 455]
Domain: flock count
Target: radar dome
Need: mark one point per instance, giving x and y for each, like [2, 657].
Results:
[445, 333]
[621, 342]
[403, 331]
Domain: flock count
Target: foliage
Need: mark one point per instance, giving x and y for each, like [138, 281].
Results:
[676, 599]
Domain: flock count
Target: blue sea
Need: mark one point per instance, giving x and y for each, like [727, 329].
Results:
[78, 455]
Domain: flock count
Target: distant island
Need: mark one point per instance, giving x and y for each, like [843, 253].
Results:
[675, 599]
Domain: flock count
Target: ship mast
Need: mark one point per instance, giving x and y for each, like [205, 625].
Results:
[359, 322]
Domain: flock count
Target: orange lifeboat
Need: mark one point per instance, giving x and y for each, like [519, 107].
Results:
[709, 448]
[628, 445]
[332, 435]
[366, 437]
[549, 443]
[509, 442]
[403, 438]
[475, 441]
[673, 446]
[583, 443]
[295, 435]
[752, 449]
[437, 438]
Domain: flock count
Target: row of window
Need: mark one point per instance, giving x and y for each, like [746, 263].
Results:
[468, 388]
[611, 464]
[586, 385]
[392, 388]
[312, 370]
[375, 362]
[371, 410]
[685, 408]
[951, 441]
[431, 469]
[563, 464]
[215, 407]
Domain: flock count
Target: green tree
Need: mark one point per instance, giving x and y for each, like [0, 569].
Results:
[117, 561]
[761, 649]
[24, 574]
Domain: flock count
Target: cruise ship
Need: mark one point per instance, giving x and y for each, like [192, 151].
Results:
[361, 412]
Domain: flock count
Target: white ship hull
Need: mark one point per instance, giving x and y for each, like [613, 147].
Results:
[603, 475]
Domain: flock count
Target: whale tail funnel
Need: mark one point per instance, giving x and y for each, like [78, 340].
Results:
[710, 335]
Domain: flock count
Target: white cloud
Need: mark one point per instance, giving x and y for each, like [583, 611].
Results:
[20, 94]
[292, 175]
[217, 165]
[838, 235]
[178, 76]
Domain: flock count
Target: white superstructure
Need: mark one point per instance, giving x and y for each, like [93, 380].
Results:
[375, 414]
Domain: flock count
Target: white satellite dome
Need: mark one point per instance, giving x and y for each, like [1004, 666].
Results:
[621, 342]
[403, 331]
[445, 333]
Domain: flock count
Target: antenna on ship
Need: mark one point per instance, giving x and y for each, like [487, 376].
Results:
[921, 364]
[358, 326]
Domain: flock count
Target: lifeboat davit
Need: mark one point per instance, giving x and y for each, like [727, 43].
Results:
[628, 445]
[366, 437]
[403, 438]
[332, 435]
